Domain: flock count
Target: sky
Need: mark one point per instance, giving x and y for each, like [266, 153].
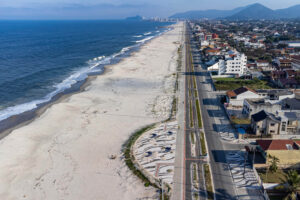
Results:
[115, 9]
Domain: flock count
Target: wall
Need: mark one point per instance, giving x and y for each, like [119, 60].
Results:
[274, 128]
[286, 157]
[258, 108]
[239, 101]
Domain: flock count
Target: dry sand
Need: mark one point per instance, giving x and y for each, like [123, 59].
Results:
[64, 153]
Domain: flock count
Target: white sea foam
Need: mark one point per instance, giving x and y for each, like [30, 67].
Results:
[138, 36]
[80, 75]
[145, 39]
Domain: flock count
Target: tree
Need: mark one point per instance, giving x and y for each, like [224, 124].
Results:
[273, 163]
[293, 184]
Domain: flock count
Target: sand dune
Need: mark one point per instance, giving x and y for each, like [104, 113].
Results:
[64, 153]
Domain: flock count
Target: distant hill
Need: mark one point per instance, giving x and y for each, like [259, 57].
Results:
[210, 14]
[291, 12]
[135, 18]
[253, 11]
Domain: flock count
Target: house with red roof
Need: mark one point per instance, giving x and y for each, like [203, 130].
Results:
[236, 97]
[287, 151]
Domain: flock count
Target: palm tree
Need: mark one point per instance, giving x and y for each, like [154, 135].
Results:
[293, 184]
[273, 163]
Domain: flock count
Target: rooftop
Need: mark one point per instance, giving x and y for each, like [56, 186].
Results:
[279, 92]
[277, 145]
[263, 115]
[236, 92]
[291, 115]
[258, 102]
[291, 104]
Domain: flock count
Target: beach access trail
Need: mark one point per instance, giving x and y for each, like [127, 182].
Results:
[65, 153]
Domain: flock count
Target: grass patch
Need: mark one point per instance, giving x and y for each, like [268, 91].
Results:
[208, 182]
[240, 121]
[203, 146]
[191, 115]
[194, 172]
[129, 158]
[194, 80]
[234, 83]
[198, 113]
[196, 195]
[277, 197]
[278, 177]
[193, 137]
[174, 107]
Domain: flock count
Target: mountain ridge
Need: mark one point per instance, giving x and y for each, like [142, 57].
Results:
[252, 11]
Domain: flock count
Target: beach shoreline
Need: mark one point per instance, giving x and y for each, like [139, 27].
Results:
[92, 114]
[17, 121]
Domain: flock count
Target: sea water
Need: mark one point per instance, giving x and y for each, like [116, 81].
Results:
[40, 59]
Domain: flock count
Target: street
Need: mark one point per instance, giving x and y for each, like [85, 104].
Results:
[199, 89]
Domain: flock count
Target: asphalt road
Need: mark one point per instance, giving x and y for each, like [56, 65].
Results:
[214, 120]
[223, 182]
[192, 127]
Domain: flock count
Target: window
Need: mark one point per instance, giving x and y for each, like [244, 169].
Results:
[283, 125]
[272, 124]
[272, 131]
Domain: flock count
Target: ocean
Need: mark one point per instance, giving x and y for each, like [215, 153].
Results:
[40, 59]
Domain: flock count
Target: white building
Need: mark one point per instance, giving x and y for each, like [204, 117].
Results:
[295, 44]
[236, 65]
[236, 97]
[218, 67]
[262, 63]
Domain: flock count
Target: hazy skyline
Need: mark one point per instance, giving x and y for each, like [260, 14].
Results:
[114, 9]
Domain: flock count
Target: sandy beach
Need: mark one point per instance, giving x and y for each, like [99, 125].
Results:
[64, 154]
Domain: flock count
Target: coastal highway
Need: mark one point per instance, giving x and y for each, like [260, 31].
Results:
[185, 159]
[193, 153]
[222, 179]
[214, 120]
[196, 84]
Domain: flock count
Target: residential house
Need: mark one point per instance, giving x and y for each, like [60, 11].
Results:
[275, 95]
[262, 63]
[284, 63]
[287, 151]
[290, 123]
[287, 83]
[276, 75]
[212, 52]
[253, 106]
[291, 104]
[236, 97]
[215, 36]
[295, 62]
[264, 123]
[295, 44]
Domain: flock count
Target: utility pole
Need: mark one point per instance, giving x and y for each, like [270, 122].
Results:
[245, 163]
[253, 161]
[162, 189]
